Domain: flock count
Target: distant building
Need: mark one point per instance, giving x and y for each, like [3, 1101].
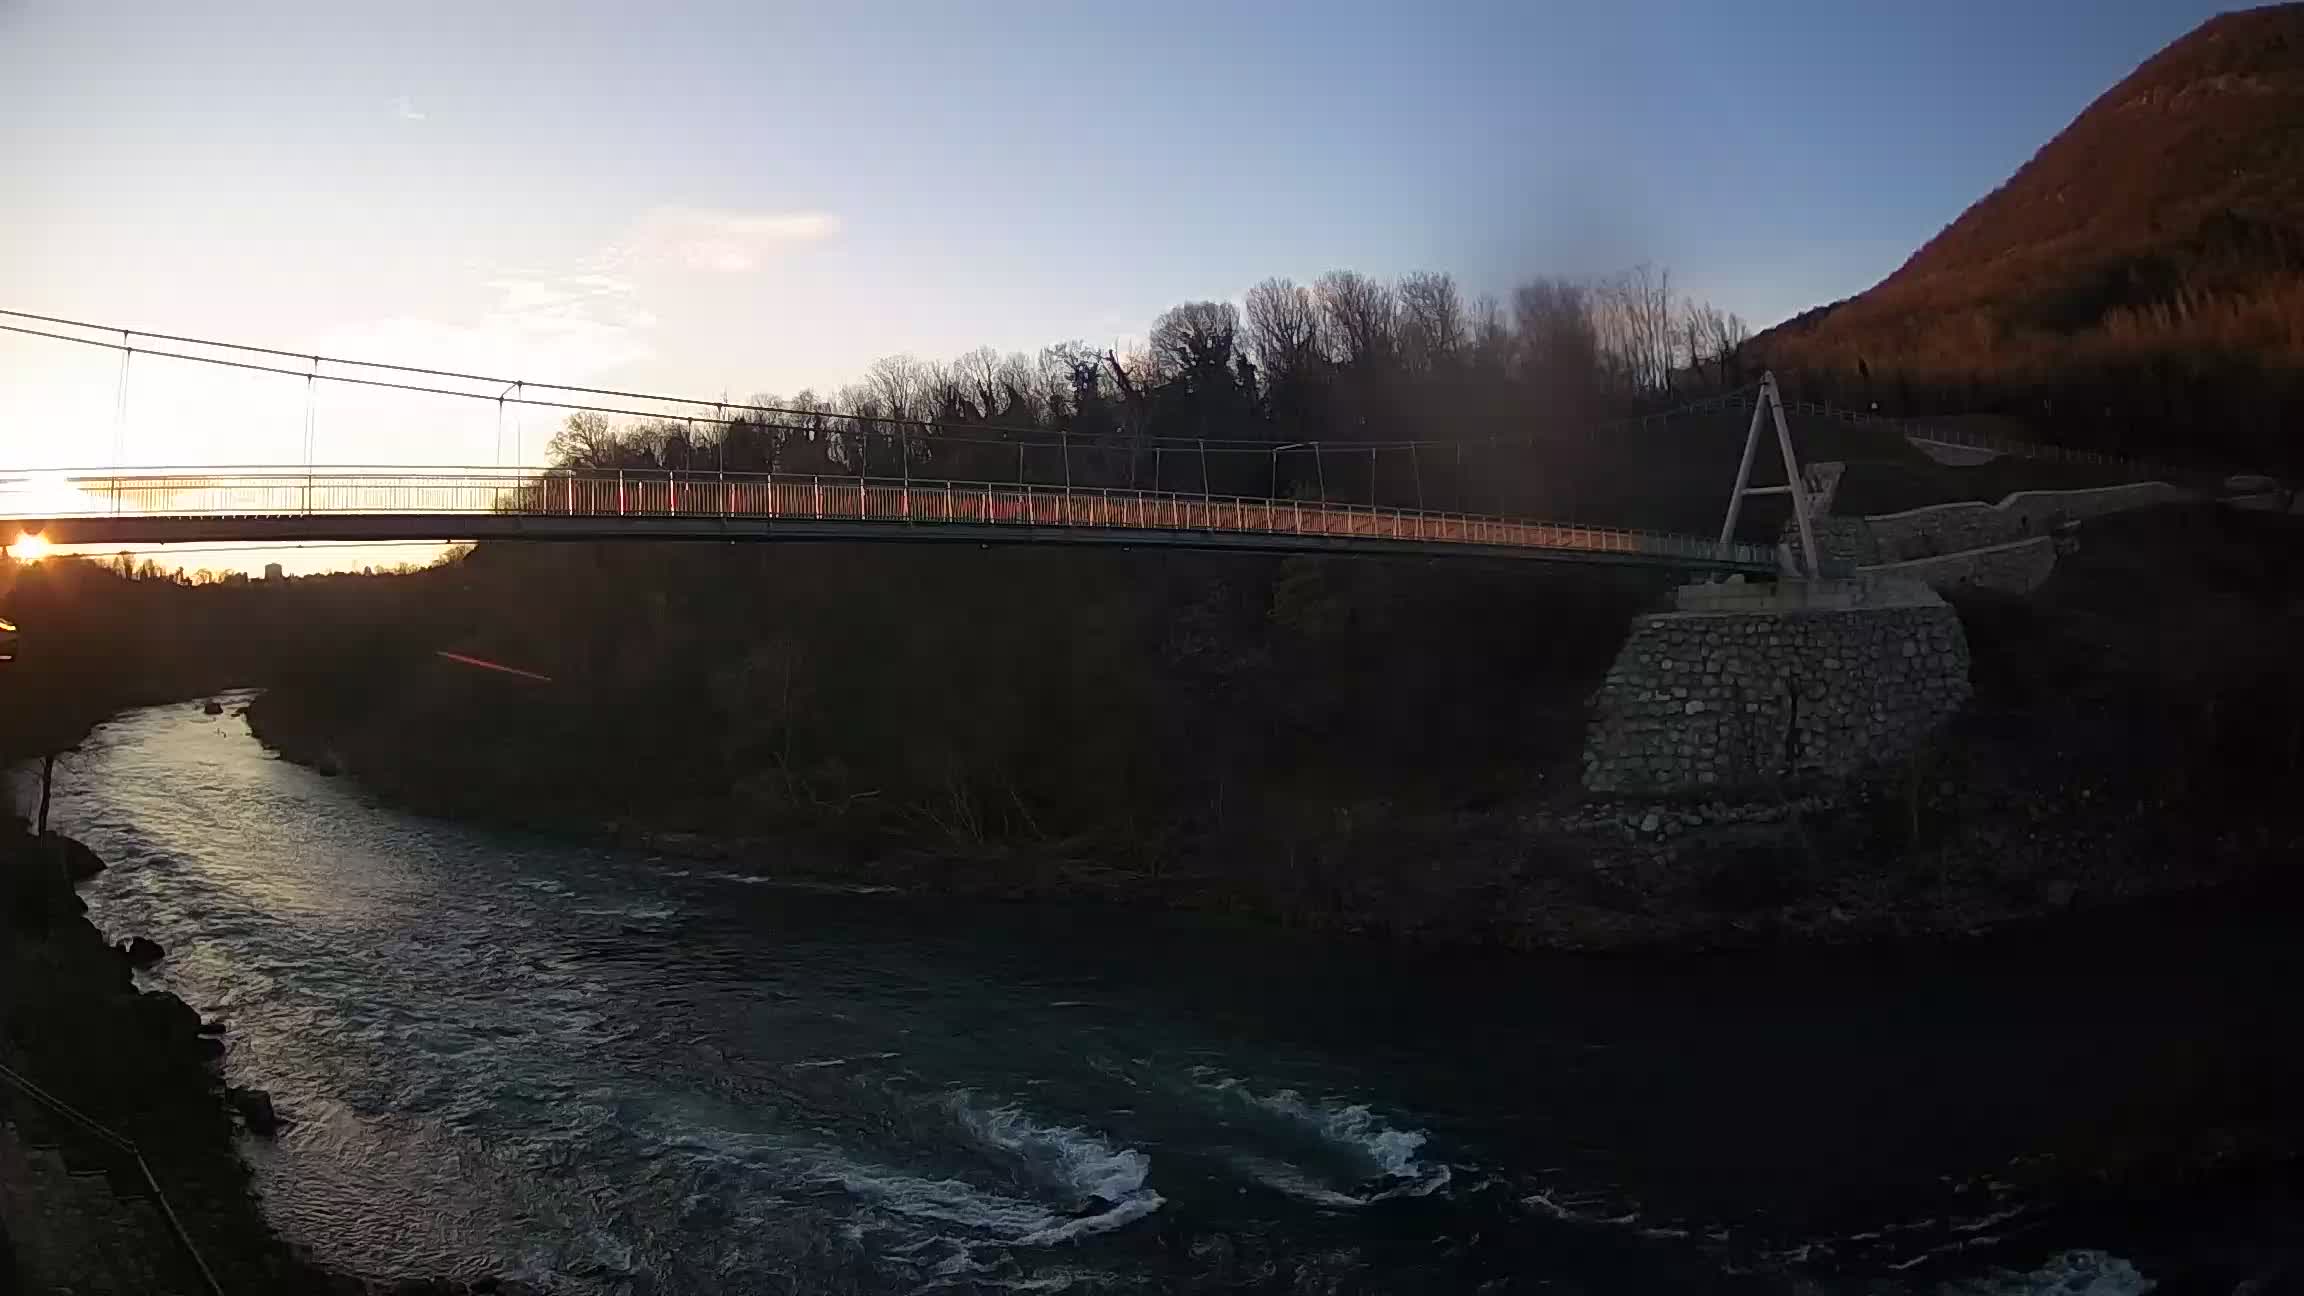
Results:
[272, 571]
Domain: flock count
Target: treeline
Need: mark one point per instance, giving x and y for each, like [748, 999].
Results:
[1230, 397]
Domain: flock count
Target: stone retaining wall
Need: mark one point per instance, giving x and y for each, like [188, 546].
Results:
[1940, 529]
[2016, 568]
[1708, 702]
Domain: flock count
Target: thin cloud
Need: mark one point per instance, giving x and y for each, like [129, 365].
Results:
[405, 110]
[545, 327]
[726, 242]
[566, 323]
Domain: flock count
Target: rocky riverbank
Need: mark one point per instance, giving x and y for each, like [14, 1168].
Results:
[75, 1211]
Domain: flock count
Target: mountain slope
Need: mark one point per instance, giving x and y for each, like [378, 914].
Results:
[2140, 280]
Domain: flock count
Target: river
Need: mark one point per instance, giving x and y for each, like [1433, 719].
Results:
[613, 1073]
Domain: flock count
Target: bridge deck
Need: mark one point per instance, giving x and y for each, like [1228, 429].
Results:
[425, 504]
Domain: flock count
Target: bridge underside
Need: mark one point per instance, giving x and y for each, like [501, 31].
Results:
[127, 530]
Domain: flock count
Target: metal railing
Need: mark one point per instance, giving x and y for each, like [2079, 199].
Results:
[742, 497]
[127, 1148]
[1930, 429]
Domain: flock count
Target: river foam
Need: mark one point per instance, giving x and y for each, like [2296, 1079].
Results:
[1367, 1159]
[2072, 1273]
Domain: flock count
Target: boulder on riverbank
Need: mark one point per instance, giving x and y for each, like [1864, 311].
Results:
[80, 863]
[212, 708]
[254, 1107]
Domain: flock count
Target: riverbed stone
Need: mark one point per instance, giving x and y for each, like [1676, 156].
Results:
[255, 1109]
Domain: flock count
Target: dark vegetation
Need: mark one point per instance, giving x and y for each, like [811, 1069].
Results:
[2138, 286]
[96, 637]
[2136, 728]
[1104, 701]
[2172, 641]
[1357, 743]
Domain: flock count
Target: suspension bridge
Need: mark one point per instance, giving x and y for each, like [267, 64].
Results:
[878, 494]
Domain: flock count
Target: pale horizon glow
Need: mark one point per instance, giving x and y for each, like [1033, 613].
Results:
[722, 199]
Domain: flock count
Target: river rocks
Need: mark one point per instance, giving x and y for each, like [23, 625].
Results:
[450, 1287]
[80, 863]
[142, 951]
[163, 1014]
[254, 1107]
[212, 707]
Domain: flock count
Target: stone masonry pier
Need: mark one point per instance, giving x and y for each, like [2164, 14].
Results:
[1743, 685]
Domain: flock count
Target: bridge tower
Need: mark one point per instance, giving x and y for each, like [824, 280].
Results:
[1766, 406]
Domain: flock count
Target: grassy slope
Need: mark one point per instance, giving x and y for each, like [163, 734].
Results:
[2159, 238]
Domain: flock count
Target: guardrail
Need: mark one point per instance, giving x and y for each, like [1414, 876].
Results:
[647, 493]
[126, 1147]
[1924, 429]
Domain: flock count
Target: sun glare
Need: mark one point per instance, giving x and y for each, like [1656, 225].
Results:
[30, 548]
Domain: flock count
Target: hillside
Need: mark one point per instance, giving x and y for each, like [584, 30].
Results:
[2139, 284]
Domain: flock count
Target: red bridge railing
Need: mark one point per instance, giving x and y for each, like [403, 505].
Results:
[272, 493]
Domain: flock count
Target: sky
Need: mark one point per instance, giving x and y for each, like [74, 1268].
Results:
[750, 196]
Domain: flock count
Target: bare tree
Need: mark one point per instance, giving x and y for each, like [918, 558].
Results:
[1724, 339]
[1020, 390]
[666, 443]
[1195, 339]
[1636, 324]
[1125, 373]
[1360, 317]
[1283, 329]
[852, 435]
[977, 375]
[805, 443]
[587, 440]
[1689, 324]
[947, 395]
[1560, 342]
[1711, 337]
[1431, 321]
[1073, 376]
[898, 385]
[1491, 336]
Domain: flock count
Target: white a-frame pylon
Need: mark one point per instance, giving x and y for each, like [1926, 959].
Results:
[1768, 403]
